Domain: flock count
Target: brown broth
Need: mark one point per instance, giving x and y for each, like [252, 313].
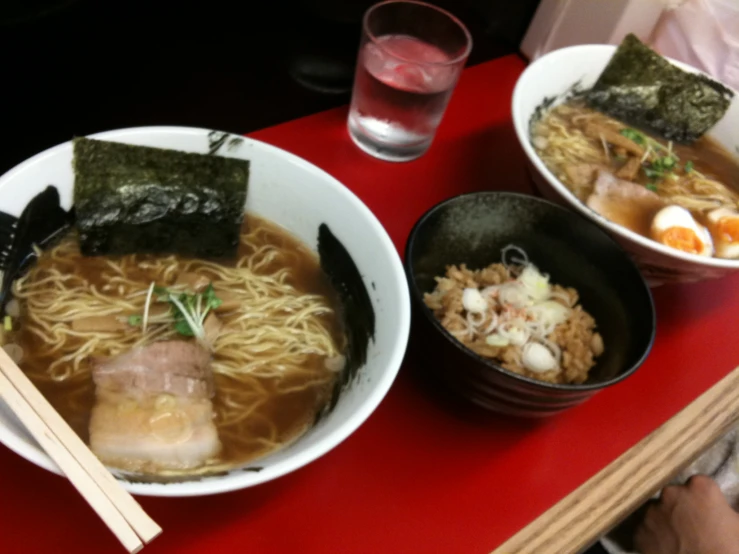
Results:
[713, 160]
[285, 414]
[708, 157]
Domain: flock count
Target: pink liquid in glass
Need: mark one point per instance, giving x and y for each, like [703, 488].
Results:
[401, 89]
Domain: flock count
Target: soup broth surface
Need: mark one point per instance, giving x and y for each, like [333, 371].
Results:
[254, 414]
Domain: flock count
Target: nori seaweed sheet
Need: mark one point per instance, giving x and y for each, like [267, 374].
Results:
[643, 89]
[152, 200]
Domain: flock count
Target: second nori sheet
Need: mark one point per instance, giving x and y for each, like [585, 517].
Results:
[643, 89]
[140, 199]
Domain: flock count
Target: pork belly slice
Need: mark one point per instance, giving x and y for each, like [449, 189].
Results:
[153, 409]
[174, 367]
[625, 203]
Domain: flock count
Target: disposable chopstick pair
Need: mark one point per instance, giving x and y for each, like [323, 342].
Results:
[115, 506]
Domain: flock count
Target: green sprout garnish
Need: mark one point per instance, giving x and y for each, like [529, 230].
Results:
[188, 310]
[655, 166]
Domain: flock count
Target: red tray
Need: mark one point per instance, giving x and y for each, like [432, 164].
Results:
[423, 474]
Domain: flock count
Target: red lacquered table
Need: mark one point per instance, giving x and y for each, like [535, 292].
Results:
[423, 474]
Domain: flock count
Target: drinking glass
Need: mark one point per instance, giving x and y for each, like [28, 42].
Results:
[410, 57]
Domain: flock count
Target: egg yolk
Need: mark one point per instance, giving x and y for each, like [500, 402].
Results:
[728, 228]
[682, 238]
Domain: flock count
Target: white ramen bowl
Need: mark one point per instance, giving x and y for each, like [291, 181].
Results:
[298, 196]
[552, 75]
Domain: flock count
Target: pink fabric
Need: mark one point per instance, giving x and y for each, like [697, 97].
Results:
[704, 34]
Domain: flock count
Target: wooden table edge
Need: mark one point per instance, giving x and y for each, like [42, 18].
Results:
[591, 510]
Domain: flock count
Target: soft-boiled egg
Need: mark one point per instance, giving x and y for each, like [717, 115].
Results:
[674, 226]
[724, 226]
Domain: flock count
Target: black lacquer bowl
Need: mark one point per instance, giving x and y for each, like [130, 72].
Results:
[472, 229]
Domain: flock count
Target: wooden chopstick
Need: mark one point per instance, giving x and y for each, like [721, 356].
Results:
[606, 499]
[118, 509]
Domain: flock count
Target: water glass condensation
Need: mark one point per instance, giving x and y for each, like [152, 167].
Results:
[410, 57]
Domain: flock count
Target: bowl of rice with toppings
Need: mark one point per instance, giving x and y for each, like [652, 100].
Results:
[510, 313]
[538, 307]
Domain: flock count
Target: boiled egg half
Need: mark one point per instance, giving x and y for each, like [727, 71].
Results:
[675, 227]
[724, 226]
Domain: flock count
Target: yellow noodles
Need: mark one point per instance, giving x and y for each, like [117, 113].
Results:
[561, 143]
[274, 344]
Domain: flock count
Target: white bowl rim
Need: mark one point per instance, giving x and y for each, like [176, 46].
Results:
[236, 480]
[522, 132]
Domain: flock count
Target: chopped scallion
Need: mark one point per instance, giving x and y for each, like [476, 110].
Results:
[634, 135]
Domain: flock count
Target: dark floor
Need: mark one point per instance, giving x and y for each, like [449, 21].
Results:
[74, 67]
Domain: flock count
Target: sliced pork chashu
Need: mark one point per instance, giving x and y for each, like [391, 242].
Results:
[153, 409]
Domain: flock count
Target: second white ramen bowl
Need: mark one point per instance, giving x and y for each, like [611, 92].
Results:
[551, 76]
